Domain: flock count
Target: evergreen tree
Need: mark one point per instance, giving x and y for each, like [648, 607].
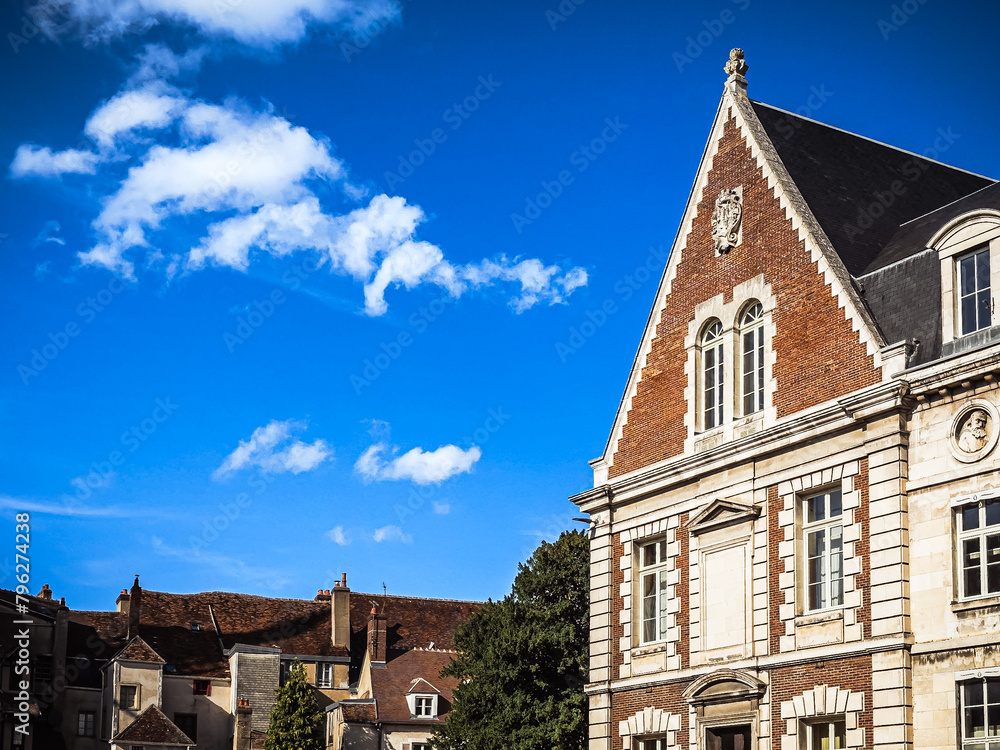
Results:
[296, 721]
[523, 660]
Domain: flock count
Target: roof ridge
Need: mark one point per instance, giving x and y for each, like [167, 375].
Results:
[939, 208]
[872, 140]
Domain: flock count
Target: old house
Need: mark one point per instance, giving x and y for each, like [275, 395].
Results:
[795, 519]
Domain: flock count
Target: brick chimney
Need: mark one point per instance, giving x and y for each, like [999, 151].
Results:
[241, 735]
[121, 603]
[45, 593]
[134, 609]
[340, 613]
[376, 638]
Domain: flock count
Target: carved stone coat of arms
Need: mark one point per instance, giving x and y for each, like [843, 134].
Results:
[726, 220]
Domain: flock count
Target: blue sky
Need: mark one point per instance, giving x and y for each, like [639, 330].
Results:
[290, 289]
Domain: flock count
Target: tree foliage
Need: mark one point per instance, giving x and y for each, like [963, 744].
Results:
[523, 660]
[296, 721]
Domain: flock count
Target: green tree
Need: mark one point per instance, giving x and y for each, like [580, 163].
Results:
[523, 660]
[296, 721]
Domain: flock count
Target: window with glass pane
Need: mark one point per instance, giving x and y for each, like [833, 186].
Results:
[713, 379]
[975, 302]
[979, 549]
[823, 735]
[981, 714]
[85, 724]
[752, 346]
[653, 591]
[653, 743]
[425, 706]
[128, 696]
[823, 536]
[324, 675]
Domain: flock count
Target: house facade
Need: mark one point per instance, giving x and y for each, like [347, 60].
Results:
[796, 518]
[202, 670]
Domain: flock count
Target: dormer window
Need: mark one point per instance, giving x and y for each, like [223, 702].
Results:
[975, 302]
[713, 376]
[423, 705]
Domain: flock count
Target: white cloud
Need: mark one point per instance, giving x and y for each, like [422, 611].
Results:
[339, 536]
[70, 508]
[442, 509]
[230, 567]
[247, 183]
[258, 23]
[272, 450]
[391, 534]
[417, 465]
[31, 160]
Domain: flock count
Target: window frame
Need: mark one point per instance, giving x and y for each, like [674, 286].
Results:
[424, 701]
[188, 714]
[136, 703]
[982, 532]
[832, 722]
[987, 741]
[827, 524]
[753, 327]
[196, 687]
[980, 251]
[652, 742]
[324, 675]
[659, 571]
[712, 360]
[86, 720]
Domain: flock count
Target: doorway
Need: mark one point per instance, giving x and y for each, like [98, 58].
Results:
[728, 738]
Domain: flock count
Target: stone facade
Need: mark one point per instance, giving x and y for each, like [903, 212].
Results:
[807, 570]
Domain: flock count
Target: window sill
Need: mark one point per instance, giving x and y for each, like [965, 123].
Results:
[649, 648]
[966, 605]
[815, 618]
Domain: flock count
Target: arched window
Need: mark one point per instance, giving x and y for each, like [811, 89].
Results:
[752, 349]
[713, 378]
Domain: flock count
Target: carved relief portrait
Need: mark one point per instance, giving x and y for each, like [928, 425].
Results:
[973, 431]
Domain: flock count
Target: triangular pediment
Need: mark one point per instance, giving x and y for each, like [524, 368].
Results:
[720, 513]
[420, 685]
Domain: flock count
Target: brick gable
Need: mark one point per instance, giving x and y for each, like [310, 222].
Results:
[818, 354]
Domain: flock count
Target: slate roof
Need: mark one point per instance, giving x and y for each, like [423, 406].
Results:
[391, 685]
[840, 174]
[152, 727]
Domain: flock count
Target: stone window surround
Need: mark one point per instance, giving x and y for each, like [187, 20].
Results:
[821, 702]
[649, 721]
[959, 602]
[138, 696]
[790, 549]
[735, 425]
[955, 239]
[968, 675]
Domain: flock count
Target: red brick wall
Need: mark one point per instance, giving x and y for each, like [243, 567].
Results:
[775, 566]
[855, 674]
[665, 697]
[862, 550]
[818, 356]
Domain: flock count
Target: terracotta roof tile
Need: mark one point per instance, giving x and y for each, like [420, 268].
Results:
[359, 712]
[152, 727]
[138, 650]
[391, 685]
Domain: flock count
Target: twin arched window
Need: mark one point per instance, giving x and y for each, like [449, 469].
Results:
[713, 368]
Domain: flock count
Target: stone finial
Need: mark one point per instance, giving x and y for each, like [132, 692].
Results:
[736, 65]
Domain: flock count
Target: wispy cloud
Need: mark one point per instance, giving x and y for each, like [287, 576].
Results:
[248, 183]
[272, 449]
[338, 536]
[69, 508]
[417, 465]
[391, 534]
[223, 565]
[442, 509]
[255, 23]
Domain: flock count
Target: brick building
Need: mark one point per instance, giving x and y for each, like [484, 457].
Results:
[795, 520]
[201, 670]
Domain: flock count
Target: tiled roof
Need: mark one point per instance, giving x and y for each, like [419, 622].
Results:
[152, 727]
[840, 174]
[391, 684]
[138, 650]
[92, 639]
[360, 711]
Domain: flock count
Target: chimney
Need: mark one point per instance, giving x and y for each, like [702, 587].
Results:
[134, 609]
[241, 735]
[340, 613]
[121, 603]
[45, 593]
[376, 638]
